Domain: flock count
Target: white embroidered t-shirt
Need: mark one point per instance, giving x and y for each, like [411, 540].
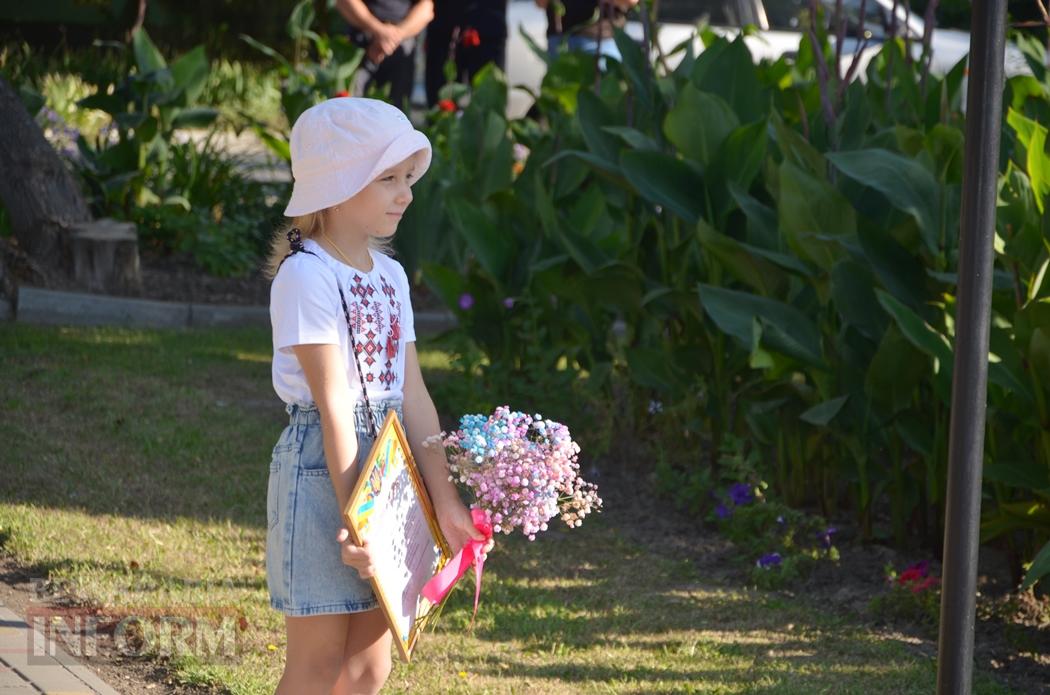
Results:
[305, 308]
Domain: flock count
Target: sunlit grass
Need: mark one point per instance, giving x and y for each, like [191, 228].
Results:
[135, 472]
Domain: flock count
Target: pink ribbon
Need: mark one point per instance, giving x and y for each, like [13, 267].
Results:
[470, 555]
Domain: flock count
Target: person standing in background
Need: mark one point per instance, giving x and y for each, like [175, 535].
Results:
[585, 25]
[471, 32]
[388, 31]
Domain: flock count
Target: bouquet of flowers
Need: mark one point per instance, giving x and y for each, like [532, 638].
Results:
[522, 470]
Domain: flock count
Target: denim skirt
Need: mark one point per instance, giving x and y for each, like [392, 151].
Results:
[305, 573]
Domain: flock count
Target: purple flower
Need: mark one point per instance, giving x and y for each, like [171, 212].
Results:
[508, 302]
[741, 494]
[825, 537]
[723, 512]
[769, 560]
[466, 300]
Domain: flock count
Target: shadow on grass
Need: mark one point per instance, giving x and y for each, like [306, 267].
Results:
[150, 424]
[595, 608]
[144, 580]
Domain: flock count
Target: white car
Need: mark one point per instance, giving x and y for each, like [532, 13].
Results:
[779, 33]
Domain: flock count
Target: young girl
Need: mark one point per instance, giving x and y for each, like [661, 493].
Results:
[344, 354]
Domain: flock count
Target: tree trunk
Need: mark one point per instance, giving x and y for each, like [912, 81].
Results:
[39, 193]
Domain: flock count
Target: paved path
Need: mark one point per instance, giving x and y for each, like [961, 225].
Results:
[29, 663]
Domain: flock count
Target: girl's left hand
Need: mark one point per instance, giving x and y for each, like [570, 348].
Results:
[458, 527]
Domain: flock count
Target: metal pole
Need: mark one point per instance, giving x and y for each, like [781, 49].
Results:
[970, 376]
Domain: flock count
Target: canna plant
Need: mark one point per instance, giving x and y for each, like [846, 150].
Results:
[708, 235]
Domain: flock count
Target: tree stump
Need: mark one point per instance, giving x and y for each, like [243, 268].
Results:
[105, 256]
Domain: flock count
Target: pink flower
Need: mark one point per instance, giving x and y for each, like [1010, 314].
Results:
[522, 469]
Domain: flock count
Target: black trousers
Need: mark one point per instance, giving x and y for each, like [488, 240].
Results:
[469, 59]
[398, 70]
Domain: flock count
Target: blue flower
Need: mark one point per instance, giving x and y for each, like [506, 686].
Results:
[741, 494]
[723, 512]
[825, 536]
[769, 560]
[466, 300]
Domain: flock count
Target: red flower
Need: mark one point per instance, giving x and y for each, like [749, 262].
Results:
[929, 582]
[342, 93]
[909, 575]
[447, 105]
[471, 38]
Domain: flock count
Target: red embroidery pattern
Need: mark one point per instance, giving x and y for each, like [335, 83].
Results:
[378, 333]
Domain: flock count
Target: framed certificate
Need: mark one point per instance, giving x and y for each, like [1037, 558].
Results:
[390, 507]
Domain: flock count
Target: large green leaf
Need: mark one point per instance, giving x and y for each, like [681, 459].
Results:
[489, 90]
[852, 289]
[596, 161]
[823, 413]
[1029, 475]
[728, 70]
[190, 72]
[147, 57]
[1040, 568]
[653, 368]
[1005, 366]
[741, 263]
[899, 271]
[762, 227]
[665, 180]
[699, 123]
[906, 185]
[637, 65]
[1029, 515]
[300, 19]
[446, 282]
[811, 214]
[633, 137]
[784, 328]
[740, 156]
[795, 148]
[199, 117]
[1032, 136]
[494, 247]
[265, 50]
[921, 334]
[895, 371]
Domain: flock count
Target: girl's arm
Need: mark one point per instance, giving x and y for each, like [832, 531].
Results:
[326, 376]
[421, 421]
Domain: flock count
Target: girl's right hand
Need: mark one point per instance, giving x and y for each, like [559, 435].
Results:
[357, 556]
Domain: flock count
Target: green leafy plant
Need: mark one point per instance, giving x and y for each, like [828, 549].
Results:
[771, 273]
[306, 81]
[152, 101]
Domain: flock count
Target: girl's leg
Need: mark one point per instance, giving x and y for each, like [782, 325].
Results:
[366, 659]
[315, 654]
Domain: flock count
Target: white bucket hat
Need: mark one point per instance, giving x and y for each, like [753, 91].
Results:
[341, 145]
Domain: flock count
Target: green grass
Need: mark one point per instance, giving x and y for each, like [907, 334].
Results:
[134, 470]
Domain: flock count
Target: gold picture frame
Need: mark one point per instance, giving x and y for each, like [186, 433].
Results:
[390, 507]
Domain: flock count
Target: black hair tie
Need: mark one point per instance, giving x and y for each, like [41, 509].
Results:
[295, 239]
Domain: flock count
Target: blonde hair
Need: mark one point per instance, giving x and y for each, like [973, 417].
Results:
[309, 225]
